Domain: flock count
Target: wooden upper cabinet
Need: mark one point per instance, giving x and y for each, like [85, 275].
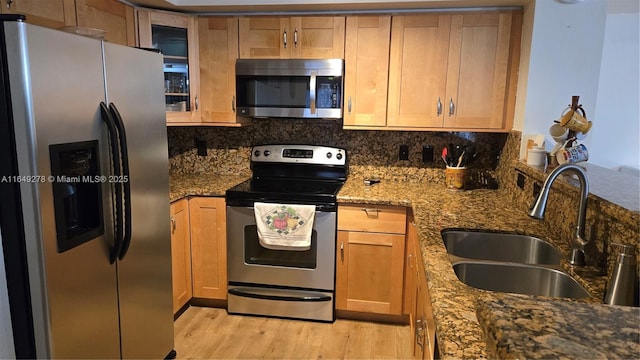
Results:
[445, 72]
[177, 36]
[450, 71]
[478, 70]
[366, 70]
[218, 37]
[51, 13]
[112, 16]
[417, 70]
[318, 37]
[309, 37]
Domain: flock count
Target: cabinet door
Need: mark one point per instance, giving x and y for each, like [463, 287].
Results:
[218, 37]
[417, 70]
[477, 72]
[410, 271]
[425, 325]
[265, 37]
[317, 37]
[180, 254]
[208, 247]
[369, 272]
[51, 13]
[177, 36]
[366, 70]
[112, 16]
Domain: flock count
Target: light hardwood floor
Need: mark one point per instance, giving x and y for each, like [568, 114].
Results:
[210, 333]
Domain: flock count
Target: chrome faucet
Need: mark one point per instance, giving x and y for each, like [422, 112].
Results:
[537, 209]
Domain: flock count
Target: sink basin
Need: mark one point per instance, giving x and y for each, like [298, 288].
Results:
[518, 278]
[500, 247]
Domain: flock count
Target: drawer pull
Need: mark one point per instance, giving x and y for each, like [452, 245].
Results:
[371, 212]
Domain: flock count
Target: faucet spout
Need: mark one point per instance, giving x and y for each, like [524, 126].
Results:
[538, 208]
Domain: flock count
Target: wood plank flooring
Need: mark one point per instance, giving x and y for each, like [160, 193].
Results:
[210, 333]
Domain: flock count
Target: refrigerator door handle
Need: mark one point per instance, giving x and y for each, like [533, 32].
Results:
[115, 159]
[124, 180]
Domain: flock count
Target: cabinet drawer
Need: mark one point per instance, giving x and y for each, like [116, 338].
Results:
[372, 218]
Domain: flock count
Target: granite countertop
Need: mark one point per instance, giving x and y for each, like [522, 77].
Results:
[520, 329]
[183, 185]
[457, 307]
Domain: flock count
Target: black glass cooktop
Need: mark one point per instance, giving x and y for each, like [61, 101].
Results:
[295, 191]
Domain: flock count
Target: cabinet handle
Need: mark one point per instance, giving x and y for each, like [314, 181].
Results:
[9, 2]
[452, 107]
[173, 224]
[419, 333]
[439, 106]
[233, 104]
[409, 261]
[371, 212]
[342, 251]
[295, 38]
[349, 105]
[284, 39]
[197, 102]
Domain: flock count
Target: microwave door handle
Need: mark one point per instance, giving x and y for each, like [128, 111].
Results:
[312, 92]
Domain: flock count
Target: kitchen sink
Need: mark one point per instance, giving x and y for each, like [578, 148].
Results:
[518, 278]
[500, 247]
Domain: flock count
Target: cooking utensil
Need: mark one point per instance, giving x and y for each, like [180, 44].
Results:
[444, 156]
[461, 158]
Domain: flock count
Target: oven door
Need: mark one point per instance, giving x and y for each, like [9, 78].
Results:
[250, 263]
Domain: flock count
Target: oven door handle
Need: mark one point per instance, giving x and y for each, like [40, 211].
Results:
[265, 296]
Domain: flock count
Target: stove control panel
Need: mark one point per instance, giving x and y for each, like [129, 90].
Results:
[303, 154]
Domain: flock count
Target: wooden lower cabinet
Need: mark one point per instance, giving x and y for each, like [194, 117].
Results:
[180, 253]
[208, 247]
[370, 259]
[417, 299]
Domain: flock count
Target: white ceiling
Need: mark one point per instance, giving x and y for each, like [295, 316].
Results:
[289, 6]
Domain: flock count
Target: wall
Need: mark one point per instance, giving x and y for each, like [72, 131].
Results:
[618, 107]
[589, 49]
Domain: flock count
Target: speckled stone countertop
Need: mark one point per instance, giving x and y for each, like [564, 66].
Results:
[460, 334]
[457, 307]
[201, 184]
[520, 329]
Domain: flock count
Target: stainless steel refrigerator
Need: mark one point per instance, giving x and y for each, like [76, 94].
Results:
[85, 196]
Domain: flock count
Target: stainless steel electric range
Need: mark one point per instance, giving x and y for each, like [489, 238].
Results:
[285, 283]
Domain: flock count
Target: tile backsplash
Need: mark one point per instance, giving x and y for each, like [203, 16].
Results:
[371, 153]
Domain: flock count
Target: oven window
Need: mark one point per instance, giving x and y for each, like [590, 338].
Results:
[255, 254]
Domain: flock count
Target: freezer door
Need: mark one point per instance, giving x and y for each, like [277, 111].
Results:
[56, 85]
[135, 85]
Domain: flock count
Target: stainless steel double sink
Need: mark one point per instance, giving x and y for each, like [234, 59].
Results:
[510, 263]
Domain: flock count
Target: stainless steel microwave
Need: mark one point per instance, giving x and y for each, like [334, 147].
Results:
[289, 88]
